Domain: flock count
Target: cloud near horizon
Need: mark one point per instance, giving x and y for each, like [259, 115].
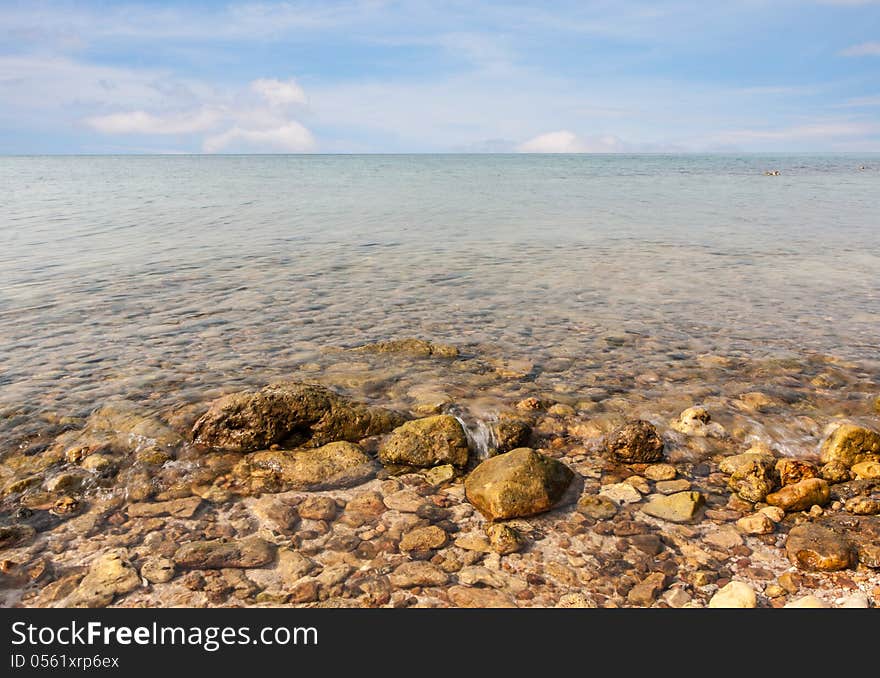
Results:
[565, 141]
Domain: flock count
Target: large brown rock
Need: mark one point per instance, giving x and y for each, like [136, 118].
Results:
[518, 483]
[430, 441]
[635, 442]
[339, 464]
[801, 496]
[289, 412]
[813, 547]
[849, 444]
[219, 553]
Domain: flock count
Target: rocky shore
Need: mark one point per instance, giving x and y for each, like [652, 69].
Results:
[298, 493]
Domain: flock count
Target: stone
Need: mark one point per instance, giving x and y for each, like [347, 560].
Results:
[757, 523]
[791, 471]
[510, 433]
[317, 508]
[756, 401]
[430, 441]
[736, 594]
[504, 539]
[158, 570]
[724, 538]
[417, 348]
[576, 600]
[696, 421]
[178, 508]
[813, 547]
[862, 506]
[672, 486]
[849, 444]
[16, 535]
[642, 485]
[808, 602]
[474, 542]
[857, 601]
[754, 478]
[635, 442]
[657, 472]
[219, 553]
[597, 506]
[275, 514]
[423, 539]
[439, 475]
[305, 414]
[774, 513]
[516, 484]
[835, 472]
[417, 573]
[866, 470]
[476, 575]
[466, 596]
[801, 496]
[109, 575]
[621, 493]
[292, 565]
[334, 465]
[733, 463]
[363, 508]
[405, 501]
[676, 597]
[646, 591]
[869, 554]
[677, 508]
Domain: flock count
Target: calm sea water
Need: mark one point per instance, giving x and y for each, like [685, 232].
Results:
[168, 279]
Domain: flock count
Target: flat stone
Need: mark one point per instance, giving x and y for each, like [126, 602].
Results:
[217, 553]
[158, 570]
[658, 472]
[621, 493]
[178, 508]
[597, 506]
[405, 501]
[677, 508]
[672, 486]
[423, 539]
[317, 508]
[466, 596]
[646, 591]
[474, 542]
[109, 575]
[476, 575]
[418, 573]
[724, 538]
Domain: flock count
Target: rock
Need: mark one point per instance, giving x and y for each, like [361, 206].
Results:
[418, 348]
[291, 565]
[733, 463]
[510, 433]
[635, 442]
[866, 470]
[642, 485]
[334, 465]
[512, 368]
[362, 509]
[807, 601]
[305, 414]
[439, 475]
[757, 523]
[158, 570]
[862, 506]
[658, 472]
[465, 596]
[517, 483]
[476, 575]
[597, 506]
[753, 479]
[218, 553]
[835, 472]
[423, 539]
[621, 493]
[756, 401]
[405, 501]
[178, 508]
[317, 508]
[672, 486]
[676, 597]
[576, 600]
[849, 444]
[417, 573]
[774, 513]
[801, 496]
[724, 538]
[474, 542]
[736, 594]
[813, 547]
[677, 508]
[275, 514]
[305, 591]
[791, 471]
[646, 591]
[857, 601]
[696, 421]
[869, 554]
[109, 575]
[504, 539]
[529, 405]
[430, 441]
[16, 535]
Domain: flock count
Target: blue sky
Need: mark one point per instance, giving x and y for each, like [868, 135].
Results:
[434, 76]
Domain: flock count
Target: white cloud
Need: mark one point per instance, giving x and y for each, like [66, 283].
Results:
[865, 49]
[141, 122]
[565, 141]
[278, 93]
[291, 137]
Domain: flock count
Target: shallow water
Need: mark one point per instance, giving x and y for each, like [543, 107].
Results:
[617, 278]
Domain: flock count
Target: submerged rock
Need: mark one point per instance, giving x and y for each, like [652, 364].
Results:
[109, 575]
[696, 421]
[736, 594]
[414, 347]
[635, 442]
[511, 433]
[305, 414]
[503, 539]
[517, 483]
[218, 553]
[430, 441]
[813, 547]
[158, 570]
[849, 444]
[801, 496]
[753, 477]
[339, 464]
[681, 507]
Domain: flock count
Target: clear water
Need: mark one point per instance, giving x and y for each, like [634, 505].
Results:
[170, 279]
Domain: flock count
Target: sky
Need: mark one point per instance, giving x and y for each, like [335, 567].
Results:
[370, 76]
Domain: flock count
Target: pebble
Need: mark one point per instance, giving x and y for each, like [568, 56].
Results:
[807, 601]
[621, 493]
[658, 472]
[736, 594]
[757, 523]
[672, 486]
